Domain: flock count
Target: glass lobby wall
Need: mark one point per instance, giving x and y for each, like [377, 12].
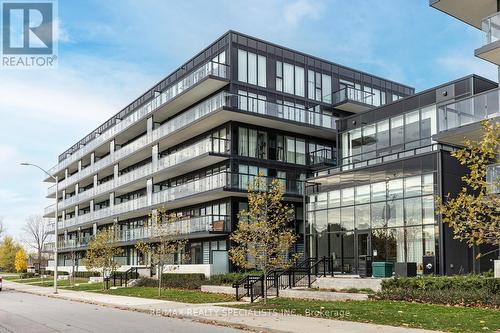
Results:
[407, 131]
[397, 215]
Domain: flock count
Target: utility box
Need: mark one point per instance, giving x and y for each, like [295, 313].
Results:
[405, 269]
[382, 269]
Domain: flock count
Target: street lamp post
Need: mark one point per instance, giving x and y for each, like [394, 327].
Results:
[56, 178]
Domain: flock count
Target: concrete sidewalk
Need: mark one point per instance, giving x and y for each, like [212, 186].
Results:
[215, 314]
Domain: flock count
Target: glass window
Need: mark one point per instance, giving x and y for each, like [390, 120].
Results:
[362, 216]
[369, 138]
[414, 245]
[252, 68]
[428, 122]
[279, 76]
[428, 184]
[429, 240]
[347, 196]
[383, 134]
[362, 194]
[412, 127]
[378, 191]
[396, 245]
[290, 149]
[395, 189]
[243, 141]
[262, 71]
[428, 210]
[347, 218]
[334, 219]
[334, 198]
[288, 79]
[395, 213]
[299, 81]
[356, 141]
[301, 151]
[397, 130]
[413, 211]
[321, 221]
[242, 66]
[378, 215]
[310, 84]
[326, 81]
[413, 186]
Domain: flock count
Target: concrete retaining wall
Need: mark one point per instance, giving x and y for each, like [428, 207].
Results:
[339, 283]
[322, 295]
[219, 289]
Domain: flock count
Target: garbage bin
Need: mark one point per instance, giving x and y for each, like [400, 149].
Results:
[382, 269]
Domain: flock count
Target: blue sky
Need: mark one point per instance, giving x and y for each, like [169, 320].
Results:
[112, 51]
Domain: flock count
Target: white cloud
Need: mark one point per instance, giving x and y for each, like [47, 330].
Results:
[301, 9]
[461, 65]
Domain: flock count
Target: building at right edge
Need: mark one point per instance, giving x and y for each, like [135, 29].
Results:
[378, 204]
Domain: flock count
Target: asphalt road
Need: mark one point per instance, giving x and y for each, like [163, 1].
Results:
[21, 312]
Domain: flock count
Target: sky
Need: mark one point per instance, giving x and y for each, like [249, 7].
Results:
[112, 51]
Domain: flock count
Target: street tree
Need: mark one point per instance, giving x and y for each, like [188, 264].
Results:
[21, 261]
[165, 244]
[264, 238]
[8, 250]
[36, 235]
[474, 213]
[101, 252]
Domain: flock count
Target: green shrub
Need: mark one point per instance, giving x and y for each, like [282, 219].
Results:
[27, 275]
[229, 278]
[172, 280]
[86, 275]
[466, 290]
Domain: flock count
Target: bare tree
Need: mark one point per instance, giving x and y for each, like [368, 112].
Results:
[36, 232]
[2, 228]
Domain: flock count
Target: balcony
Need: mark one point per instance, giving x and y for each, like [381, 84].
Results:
[470, 12]
[490, 51]
[201, 82]
[209, 188]
[353, 100]
[176, 131]
[199, 226]
[75, 243]
[199, 155]
[209, 114]
[463, 118]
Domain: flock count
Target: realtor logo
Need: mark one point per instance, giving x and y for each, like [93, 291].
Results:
[28, 34]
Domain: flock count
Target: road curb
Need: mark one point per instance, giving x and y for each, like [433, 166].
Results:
[214, 322]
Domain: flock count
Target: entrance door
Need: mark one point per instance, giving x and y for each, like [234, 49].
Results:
[363, 253]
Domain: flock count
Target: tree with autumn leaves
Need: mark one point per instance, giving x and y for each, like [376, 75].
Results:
[165, 243]
[101, 252]
[474, 213]
[264, 238]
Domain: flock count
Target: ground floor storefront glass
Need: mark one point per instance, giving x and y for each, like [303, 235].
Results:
[391, 221]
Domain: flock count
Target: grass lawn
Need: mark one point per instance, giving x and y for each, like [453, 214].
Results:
[50, 282]
[176, 295]
[426, 316]
[85, 287]
[10, 277]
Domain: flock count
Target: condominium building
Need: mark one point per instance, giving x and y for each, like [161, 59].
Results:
[192, 143]
[378, 204]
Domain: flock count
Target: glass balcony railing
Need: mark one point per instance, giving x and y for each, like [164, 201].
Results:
[208, 69]
[220, 181]
[322, 156]
[185, 226]
[205, 146]
[74, 243]
[469, 110]
[179, 122]
[283, 111]
[491, 28]
[242, 103]
[352, 94]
